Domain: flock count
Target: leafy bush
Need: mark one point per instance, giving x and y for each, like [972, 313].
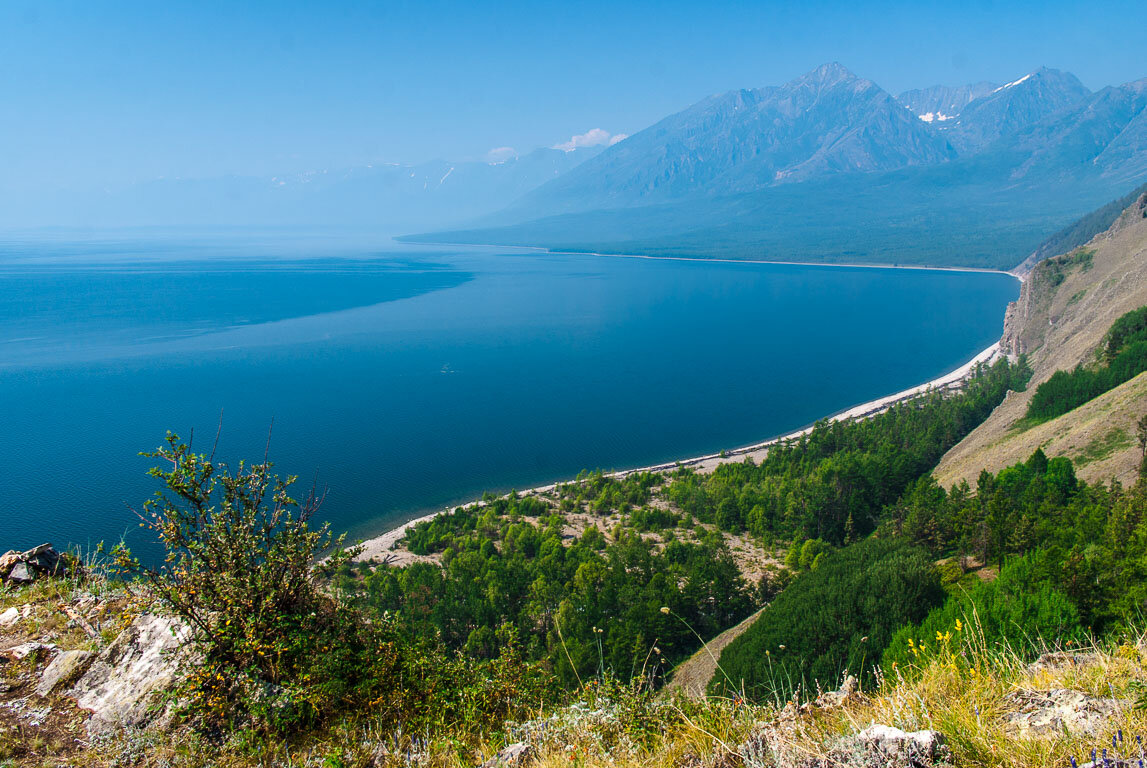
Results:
[834, 619]
[1019, 611]
[276, 651]
[239, 570]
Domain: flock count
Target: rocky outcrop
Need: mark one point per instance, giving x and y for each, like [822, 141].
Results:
[1065, 309]
[26, 567]
[783, 742]
[64, 669]
[1046, 713]
[878, 746]
[122, 681]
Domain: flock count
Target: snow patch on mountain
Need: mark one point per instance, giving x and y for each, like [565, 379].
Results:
[1013, 83]
[938, 117]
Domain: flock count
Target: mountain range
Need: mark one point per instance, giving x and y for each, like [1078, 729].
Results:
[827, 167]
[830, 167]
[387, 197]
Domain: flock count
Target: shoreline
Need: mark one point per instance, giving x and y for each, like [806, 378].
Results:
[541, 249]
[379, 547]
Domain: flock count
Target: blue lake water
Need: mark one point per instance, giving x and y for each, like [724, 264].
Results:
[406, 379]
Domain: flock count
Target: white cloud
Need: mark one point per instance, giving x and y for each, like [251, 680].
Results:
[501, 154]
[594, 137]
[617, 137]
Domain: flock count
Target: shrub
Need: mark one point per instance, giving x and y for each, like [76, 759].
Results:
[833, 619]
[1017, 611]
[277, 650]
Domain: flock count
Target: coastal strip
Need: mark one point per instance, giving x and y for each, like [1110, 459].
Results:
[1016, 273]
[380, 547]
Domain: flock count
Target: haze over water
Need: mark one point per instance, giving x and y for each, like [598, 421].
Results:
[406, 379]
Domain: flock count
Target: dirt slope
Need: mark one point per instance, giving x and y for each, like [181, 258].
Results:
[1064, 310]
[693, 674]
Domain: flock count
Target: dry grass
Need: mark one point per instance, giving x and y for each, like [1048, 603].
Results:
[1060, 327]
[962, 689]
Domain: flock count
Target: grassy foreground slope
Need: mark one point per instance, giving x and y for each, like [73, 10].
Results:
[1066, 306]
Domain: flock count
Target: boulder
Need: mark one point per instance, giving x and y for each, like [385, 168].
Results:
[7, 560]
[878, 746]
[915, 748]
[1038, 713]
[21, 573]
[1055, 661]
[64, 669]
[142, 661]
[10, 617]
[44, 559]
[512, 756]
[24, 650]
[25, 567]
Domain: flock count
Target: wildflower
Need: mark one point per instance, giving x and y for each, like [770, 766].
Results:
[665, 609]
[959, 625]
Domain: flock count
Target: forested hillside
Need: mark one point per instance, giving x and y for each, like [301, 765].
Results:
[1066, 307]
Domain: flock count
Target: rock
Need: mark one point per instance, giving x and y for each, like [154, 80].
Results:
[7, 560]
[511, 756]
[1059, 660]
[139, 663]
[44, 559]
[21, 574]
[24, 567]
[916, 747]
[10, 617]
[848, 692]
[1040, 713]
[878, 746]
[64, 669]
[24, 650]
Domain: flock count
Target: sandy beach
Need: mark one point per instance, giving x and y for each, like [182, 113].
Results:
[382, 547]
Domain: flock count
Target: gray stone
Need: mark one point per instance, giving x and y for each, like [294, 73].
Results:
[142, 661]
[878, 746]
[893, 742]
[21, 574]
[10, 617]
[1038, 713]
[64, 669]
[24, 650]
[512, 756]
[44, 559]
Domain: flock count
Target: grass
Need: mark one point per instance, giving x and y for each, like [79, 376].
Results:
[962, 689]
[1103, 446]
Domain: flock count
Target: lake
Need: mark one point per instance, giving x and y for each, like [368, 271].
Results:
[405, 379]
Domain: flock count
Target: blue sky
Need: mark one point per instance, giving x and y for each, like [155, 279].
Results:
[110, 93]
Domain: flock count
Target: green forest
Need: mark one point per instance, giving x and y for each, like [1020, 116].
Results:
[621, 602]
[1123, 356]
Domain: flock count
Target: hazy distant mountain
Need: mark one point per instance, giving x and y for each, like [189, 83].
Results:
[942, 103]
[1106, 134]
[829, 167]
[827, 122]
[390, 197]
[1011, 108]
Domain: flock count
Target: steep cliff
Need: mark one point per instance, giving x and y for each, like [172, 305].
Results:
[1065, 307]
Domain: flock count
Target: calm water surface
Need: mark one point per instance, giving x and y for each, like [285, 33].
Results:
[405, 379]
